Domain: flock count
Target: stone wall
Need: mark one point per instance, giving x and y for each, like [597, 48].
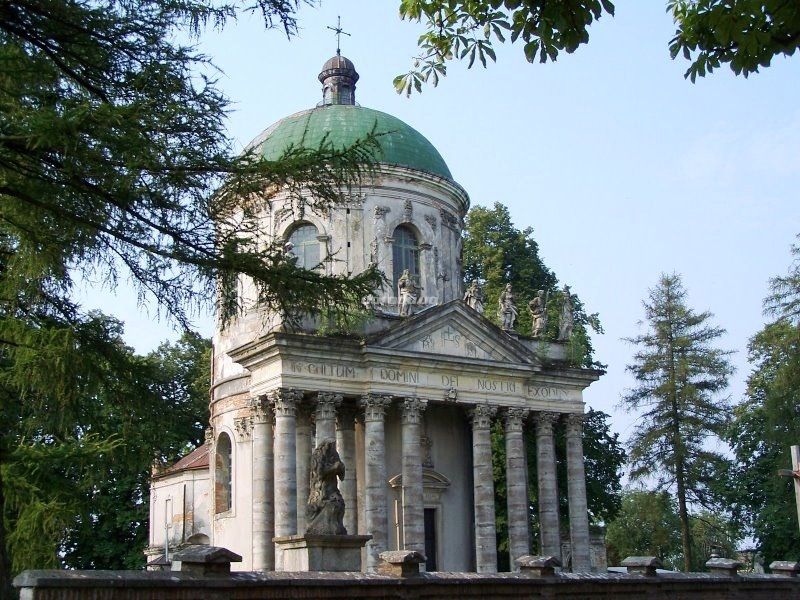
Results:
[138, 585]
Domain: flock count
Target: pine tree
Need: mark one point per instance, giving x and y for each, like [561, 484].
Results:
[678, 376]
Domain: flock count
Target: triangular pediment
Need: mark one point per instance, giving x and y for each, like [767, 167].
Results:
[454, 329]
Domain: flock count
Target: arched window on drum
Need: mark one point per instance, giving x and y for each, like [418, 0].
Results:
[305, 245]
[223, 480]
[405, 254]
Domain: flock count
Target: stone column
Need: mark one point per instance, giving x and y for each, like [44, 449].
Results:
[263, 501]
[576, 491]
[516, 486]
[346, 445]
[375, 516]
[483, 493]
[284, 403]
[304, 449]
[549, 534]
[325, 417]
[413, 501]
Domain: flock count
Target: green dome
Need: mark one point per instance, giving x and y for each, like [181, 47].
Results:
[344, 124]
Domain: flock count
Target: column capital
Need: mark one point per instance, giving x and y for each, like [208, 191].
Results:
[574, 423]
[346, 416]
[327, 403]
[514, 418]
[375, 406]
[545, 422]
[413, 409]
[261, 410]
[481, 416]
[284, 401]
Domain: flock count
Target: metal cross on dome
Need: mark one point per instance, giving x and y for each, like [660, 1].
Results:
[339, 31]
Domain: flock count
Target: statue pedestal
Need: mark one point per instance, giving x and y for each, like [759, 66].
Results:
[321, 552]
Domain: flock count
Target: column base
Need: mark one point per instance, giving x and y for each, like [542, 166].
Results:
[321, 552]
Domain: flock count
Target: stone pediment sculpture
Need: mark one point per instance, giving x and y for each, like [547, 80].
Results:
[473, 297]
[453, 329]
[507, 308]
[407, 293]
[566, 320]
[538, 311]
[325, 508]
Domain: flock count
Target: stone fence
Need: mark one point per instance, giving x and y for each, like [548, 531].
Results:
[141, 585]
[204, 573]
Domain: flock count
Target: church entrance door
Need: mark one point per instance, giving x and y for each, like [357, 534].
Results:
[430, 539]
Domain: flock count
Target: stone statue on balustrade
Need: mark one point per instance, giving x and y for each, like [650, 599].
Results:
[566, 319]
[407, 293]
[538, 311]
[325, 509]
[473, 297]
[507, 308]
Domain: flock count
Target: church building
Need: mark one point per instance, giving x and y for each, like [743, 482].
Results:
[410, 402]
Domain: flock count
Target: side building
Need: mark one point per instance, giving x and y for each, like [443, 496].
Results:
[410, 402]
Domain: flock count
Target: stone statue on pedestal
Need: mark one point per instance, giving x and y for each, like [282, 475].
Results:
[566, 319]
[325, 509]
[538, 310]
[407, 292]
[473, 297]
[507, 308]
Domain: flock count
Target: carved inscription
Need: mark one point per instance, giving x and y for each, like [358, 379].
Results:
[497, 385]
[332, 370]
[546, 393]
[398, 375]
[451, 336]
[450, 381]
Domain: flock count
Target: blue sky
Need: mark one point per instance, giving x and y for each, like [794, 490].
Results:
[623, 168]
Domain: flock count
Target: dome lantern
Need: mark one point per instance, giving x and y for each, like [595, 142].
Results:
[338, 78]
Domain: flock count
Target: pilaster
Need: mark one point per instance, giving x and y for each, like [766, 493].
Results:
[549, 534]
[325, 416]
[263, 485]
[413, 499]
[375, 515]
[284, 404]
[516, 485]
[483, 493]
[576, 491]
[346, 445]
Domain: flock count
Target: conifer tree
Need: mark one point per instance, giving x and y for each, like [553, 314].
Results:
[679, 374]
[115, 164]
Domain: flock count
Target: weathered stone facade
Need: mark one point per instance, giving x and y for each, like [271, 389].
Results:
[410, 400]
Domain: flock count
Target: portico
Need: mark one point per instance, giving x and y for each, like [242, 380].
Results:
[387, 395]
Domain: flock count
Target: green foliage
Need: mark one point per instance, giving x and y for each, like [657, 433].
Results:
[744, 34]
[497, 253]
[39, 507]
[712, 533]
[467, 30]
[114, 162]
[764, 427]
[646, 525]
[76, 478]
[783, 302]
[678, 375]
[604, 457]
